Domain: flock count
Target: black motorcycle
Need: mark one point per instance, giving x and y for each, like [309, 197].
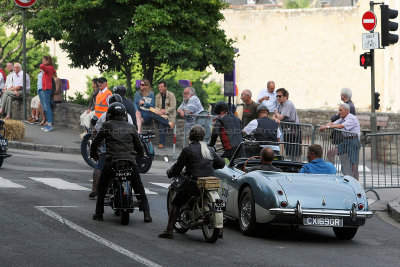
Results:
[120, 193]
[3, 143]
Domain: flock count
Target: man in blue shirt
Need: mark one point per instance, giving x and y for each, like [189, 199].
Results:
[315, 162]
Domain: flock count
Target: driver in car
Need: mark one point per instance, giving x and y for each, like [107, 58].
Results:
[264, 129]
[266, 155]
[199, 160]
[122, 141]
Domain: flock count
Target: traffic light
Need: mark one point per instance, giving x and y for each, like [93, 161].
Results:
[387, 26]
[377, 105]
[365, 60]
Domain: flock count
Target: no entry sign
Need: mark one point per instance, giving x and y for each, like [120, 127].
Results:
[25, 3]
[369, 20]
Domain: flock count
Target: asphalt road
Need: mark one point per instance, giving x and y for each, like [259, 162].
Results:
[45, 225]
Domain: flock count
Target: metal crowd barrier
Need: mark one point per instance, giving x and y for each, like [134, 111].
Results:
[296, 137]
[205, 119]
[341, 148]
[381, 164]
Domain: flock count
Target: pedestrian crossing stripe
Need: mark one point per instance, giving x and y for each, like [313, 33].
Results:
[59, 183]
[4, 183]
[165, 185]
[148, 192]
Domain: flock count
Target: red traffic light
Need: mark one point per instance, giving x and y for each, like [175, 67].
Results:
[365, 60]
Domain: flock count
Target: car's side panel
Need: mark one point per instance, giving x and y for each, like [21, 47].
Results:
[228, 190]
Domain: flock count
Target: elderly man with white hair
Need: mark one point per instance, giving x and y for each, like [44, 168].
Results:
[350, 145]
[191, 105]
[345, 96]
[249, 107]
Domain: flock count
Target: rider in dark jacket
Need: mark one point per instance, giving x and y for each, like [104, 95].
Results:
[122, 141]
[228, 128]
[199, 161]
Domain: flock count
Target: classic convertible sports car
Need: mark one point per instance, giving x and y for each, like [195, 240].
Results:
[289, 197]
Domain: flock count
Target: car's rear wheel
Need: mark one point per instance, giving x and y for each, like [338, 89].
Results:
[345, 233]
[247, 214]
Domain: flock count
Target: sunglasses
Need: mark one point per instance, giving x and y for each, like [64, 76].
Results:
[279, 96]
[142, 84]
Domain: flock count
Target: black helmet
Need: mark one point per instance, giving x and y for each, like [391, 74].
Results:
[120, 90]
[116, 111]
[197, 133]
[115, 98]
[94, 120]
[220, 106]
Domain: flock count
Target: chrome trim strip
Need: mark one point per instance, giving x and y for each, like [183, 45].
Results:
[317, 212]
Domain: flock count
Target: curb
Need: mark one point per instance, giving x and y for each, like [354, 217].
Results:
[394, 209]
[44, 148]
[60, 149]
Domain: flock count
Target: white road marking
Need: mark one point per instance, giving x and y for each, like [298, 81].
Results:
[148, 192]
[97, 238]
[165, 185]
[4, 183]
[60, 183]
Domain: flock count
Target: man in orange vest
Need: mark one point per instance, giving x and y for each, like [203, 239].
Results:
[102, 98]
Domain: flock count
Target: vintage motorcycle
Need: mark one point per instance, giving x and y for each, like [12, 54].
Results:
[3, 143]
[120, 193]
[202, 211]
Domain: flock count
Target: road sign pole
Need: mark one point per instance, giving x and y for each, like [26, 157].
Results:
[23, 91]
[373, 115]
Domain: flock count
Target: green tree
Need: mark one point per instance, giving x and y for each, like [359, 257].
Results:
[131, 36]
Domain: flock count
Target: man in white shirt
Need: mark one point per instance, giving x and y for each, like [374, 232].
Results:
[267, 97]
[15, 91]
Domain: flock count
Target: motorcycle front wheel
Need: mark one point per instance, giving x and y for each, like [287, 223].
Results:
[144, 164]
[124, 216]
[210, 233]
[179, 225]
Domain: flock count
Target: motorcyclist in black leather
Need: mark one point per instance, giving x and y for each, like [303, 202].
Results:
[198, 161]
[228, 128]
[122, 141]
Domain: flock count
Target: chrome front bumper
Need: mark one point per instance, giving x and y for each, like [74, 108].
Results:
[353, 214]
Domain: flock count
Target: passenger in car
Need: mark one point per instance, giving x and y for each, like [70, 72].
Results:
[315, 162]
[267, 155]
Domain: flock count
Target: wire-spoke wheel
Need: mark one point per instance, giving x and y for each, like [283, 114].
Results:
[247, 216]
[210, 233]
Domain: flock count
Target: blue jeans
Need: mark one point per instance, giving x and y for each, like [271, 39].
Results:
[44, 96]
[162, 127]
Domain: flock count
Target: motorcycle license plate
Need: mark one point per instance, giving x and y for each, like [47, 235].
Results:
[323, 221]
[3, 142]
[219, 206]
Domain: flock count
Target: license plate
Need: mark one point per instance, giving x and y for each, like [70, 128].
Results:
[3, 142]
[219, 206]
[323, 221]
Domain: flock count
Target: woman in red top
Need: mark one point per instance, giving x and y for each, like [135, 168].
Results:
[48, 72]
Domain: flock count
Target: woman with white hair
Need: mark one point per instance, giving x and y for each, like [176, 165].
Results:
[199, 160]
[345, 96]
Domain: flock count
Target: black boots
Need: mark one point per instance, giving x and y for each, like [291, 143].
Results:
[97, 216]
[169, 232]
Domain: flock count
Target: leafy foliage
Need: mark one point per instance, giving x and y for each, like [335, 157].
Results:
[293, 4]
[132, 37]
[79, 98]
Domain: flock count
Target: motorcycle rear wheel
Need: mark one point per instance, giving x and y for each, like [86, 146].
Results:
[85, 150]
[124, 216]
[210, 233]
[1, 162]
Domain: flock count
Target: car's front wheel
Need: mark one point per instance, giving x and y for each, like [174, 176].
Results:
[345, 233]
[247, 214]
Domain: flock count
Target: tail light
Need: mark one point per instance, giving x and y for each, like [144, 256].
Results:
[280, 192]
[360, 206]
[359, 195]
[284, 204]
